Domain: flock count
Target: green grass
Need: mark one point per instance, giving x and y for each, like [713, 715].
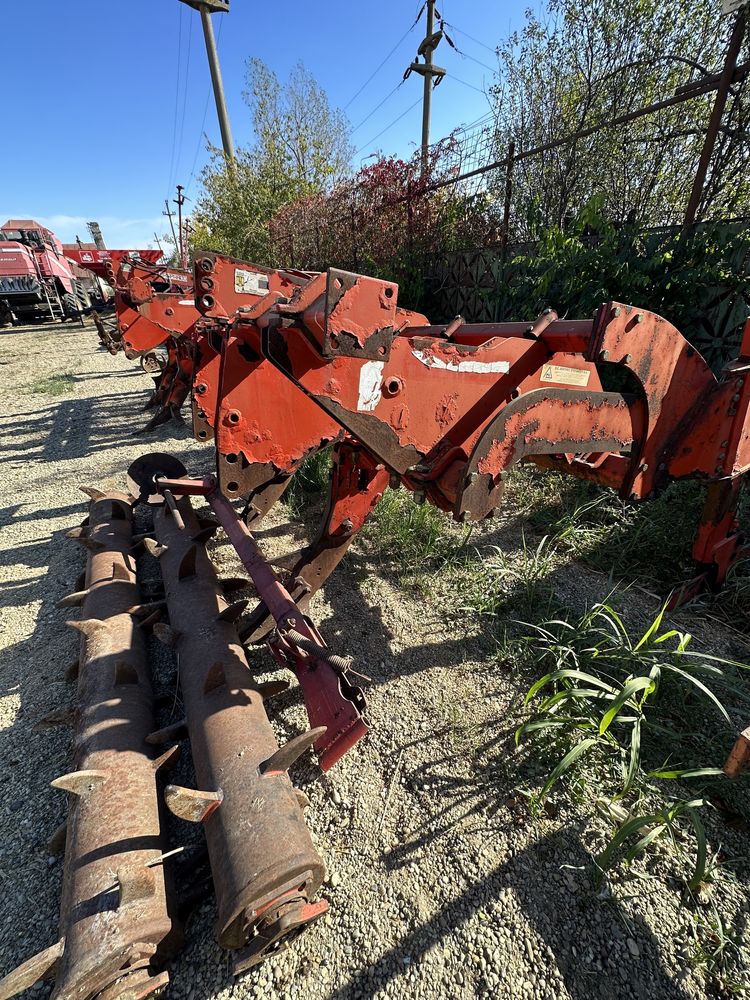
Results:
[415, 540]
[641, 719]
[310, 481]
[53, 385]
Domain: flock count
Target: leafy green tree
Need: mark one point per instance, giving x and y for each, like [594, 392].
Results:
[300, 147]
[589, 62]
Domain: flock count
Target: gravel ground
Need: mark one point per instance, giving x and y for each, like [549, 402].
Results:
[440, 882]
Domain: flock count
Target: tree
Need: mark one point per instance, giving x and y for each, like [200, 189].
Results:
[300, 147]
[590, 62]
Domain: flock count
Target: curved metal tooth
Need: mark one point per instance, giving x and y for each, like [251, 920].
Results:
[76, 533]
[165, 634]
[177, 731]
[154, 548]
[187, 565]
[190, 804]
[215, 678]
[204, 534]
[57, 717]
[56, 843]
[74, 600]
[272, 688]
[285, 756]
[92, 492]
[79, 782]
[303, 800]
[167, 760]
[34, 970]
[146, 609]
[233, 612]
[89, 626]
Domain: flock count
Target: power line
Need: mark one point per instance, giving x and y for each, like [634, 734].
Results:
[377, 108]
[450, 76]
[382, 64]
[184, 96]
[382, 131]
[471, 38]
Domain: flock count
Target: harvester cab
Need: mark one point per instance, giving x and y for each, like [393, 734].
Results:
[36, 279]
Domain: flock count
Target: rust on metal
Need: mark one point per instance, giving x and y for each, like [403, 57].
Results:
[264, 866]
[116, 925]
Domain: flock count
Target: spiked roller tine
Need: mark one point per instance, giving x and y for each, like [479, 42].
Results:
[154, 548]
[303, 800]
[235, 583]
[56, 843]
[91, 544]
[176, 731]
[34, 970]
[76, 533]
[204, 535]
[146, 609]
[187, 566]
[271, 688]
[233, 612]
[215, 678]
[285, 756]
[58, 717]
[89, 626]
[79, 782]
[167, 760]
[204, 523]
[165, 634]
[121, 572]
[74, 600]
[143, 536]
[190, 804]
[92, 492]
[151, 621]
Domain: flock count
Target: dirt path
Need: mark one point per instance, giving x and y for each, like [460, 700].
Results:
[440, 884]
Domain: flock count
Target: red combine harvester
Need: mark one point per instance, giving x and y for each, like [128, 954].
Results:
[36, 280]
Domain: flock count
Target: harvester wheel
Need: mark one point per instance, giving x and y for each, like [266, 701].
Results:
[70, 305]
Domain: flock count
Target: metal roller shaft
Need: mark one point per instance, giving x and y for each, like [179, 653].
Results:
[115, 923]
[264, 866]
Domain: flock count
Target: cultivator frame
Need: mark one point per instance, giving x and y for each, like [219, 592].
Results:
[284, 364]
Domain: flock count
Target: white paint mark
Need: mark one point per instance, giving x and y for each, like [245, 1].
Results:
[370, 378]
[186, 302]
[478, 367]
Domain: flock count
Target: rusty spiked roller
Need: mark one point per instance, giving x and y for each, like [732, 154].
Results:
[264, 867]
[116, 920]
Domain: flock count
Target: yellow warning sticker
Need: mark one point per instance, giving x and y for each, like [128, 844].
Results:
[565, 376]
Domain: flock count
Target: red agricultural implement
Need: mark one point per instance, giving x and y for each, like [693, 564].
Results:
[445, 412]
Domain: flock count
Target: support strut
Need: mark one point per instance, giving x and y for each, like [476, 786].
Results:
[264, 866]
[116, 927]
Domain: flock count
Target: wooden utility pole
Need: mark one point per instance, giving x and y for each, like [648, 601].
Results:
[430, 73]
[179, 202]
[717, 112]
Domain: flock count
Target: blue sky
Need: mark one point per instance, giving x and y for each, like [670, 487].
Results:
[95, 126]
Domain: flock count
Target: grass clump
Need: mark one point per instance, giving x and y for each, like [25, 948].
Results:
[309, 481]
[414, 539]
[640, 719]
[53, 385]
